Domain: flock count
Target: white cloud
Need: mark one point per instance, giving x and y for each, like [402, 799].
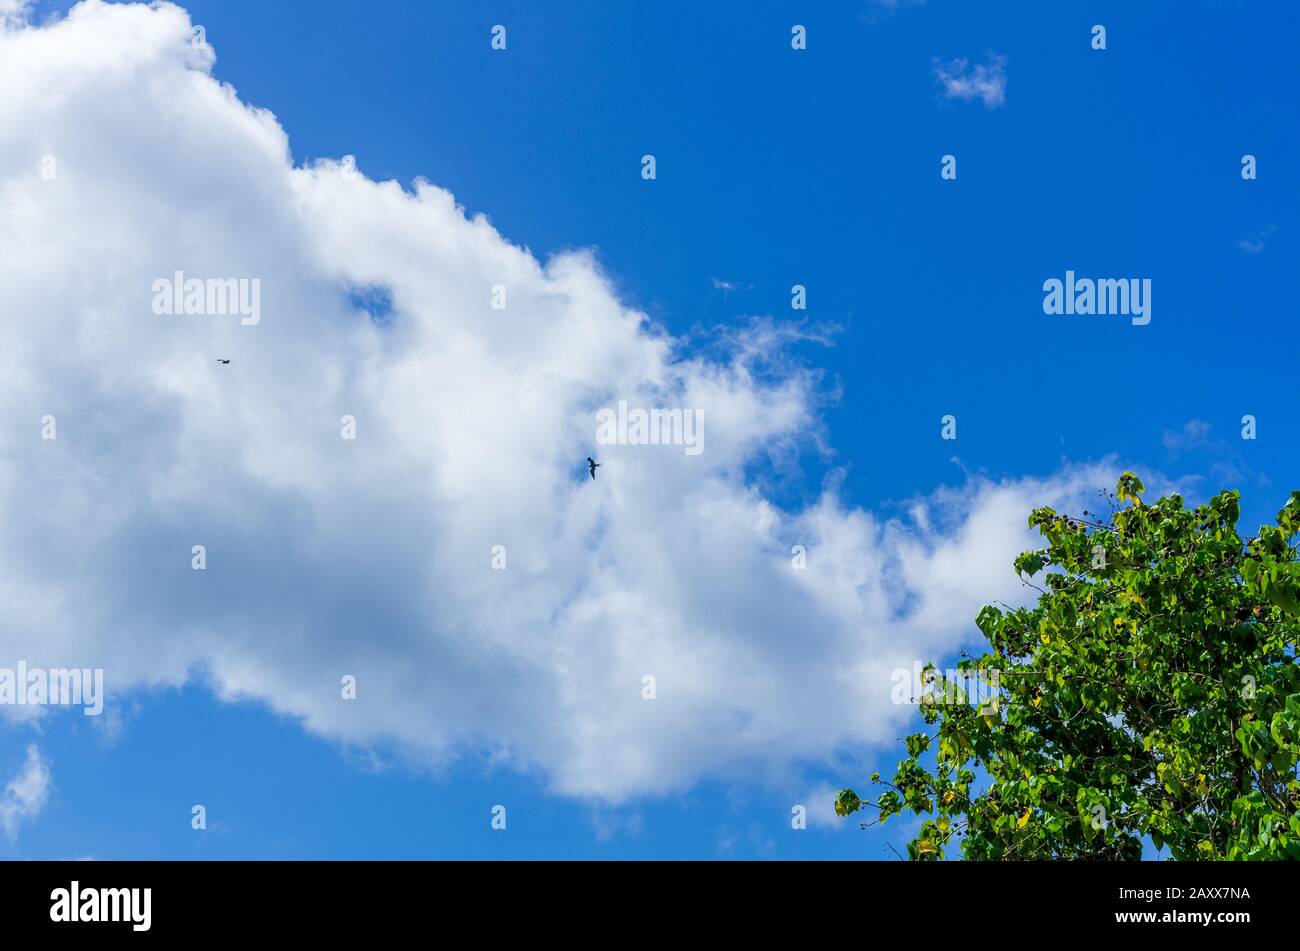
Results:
[1195, 433]
[877, 10]
[609, 825]
[26, 794]
[1257, 240]
[820, 804]
[373, 558]
[727, 287]
[13, 12]
[984, 81]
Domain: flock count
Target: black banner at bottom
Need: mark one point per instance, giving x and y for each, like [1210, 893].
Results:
[336, 899]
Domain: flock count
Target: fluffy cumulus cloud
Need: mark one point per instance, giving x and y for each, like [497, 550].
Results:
[123, 161]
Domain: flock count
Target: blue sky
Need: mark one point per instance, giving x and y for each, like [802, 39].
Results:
[822, 169]
[774, 167]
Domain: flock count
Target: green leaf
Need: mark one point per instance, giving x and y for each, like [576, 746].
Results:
[847, 802]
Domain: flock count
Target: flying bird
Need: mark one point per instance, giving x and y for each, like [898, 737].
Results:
[592, 465]
[219, 360]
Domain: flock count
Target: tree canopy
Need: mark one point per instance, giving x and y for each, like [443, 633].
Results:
[1152, 693]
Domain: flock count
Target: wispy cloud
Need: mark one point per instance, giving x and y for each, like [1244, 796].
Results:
[984, 81]
[727, 287]
[878, 10]
[1227, 465]
[1195, 433]
[610, 824]
[26, 794]
[1255, 241]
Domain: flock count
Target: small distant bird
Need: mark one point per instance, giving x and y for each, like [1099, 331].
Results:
[219, 360]
[592, 465]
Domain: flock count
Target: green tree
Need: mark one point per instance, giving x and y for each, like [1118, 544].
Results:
[1152, 692]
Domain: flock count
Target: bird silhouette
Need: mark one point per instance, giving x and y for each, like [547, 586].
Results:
[592, 465]
[219, 360]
